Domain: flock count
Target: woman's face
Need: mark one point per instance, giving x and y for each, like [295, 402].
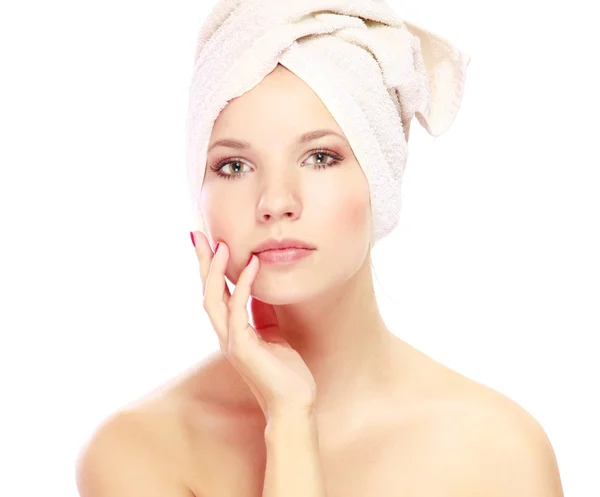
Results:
[273, 188]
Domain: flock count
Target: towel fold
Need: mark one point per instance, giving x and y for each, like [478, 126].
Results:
[373, 71]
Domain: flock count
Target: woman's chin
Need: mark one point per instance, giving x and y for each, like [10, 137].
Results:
[274, 297]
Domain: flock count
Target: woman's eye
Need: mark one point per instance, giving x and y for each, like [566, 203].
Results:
[334, 162]
[236, 166]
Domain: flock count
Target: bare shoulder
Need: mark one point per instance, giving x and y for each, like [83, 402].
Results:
[150, 446]
[497, 447]
[136, 451]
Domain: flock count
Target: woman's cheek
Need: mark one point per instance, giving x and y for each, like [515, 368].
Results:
[214, 216]
[351, 214]
[217, 207]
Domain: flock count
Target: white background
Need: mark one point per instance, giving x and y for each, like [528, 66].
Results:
[493, 269]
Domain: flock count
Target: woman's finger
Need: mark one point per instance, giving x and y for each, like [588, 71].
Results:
[215, 289]
[205, 256]
[239, 329]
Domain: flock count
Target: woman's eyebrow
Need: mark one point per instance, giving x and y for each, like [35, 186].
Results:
[303, 138]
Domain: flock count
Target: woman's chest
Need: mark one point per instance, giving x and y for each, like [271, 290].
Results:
[401, 464]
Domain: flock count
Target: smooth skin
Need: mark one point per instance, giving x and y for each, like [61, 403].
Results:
[391, 420]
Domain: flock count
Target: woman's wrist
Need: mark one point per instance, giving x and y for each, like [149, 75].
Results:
[286, 419]
[287, 410]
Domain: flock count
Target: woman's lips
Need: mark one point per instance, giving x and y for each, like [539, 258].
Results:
[283, 256]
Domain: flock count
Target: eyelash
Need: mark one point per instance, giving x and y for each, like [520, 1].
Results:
[221, 164]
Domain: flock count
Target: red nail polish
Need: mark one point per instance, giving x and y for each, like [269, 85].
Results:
[192, 237]
[251, 255]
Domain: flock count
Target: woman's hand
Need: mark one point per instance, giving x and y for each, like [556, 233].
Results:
[278, 377]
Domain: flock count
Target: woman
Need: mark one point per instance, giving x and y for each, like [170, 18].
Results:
[310, 394]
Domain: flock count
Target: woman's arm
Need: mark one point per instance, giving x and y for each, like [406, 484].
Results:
[293, 463]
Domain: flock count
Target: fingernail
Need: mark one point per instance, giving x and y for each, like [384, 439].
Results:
[251, 255]
[217, 247]
[192, 237]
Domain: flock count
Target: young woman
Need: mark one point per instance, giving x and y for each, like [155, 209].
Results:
[324, 399]
[311, 394]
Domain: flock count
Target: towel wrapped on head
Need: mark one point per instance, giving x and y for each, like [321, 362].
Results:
[373, 71]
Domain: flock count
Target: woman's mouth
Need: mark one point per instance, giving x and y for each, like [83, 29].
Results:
[283, 256]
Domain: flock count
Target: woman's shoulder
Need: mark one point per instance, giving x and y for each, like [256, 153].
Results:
[452, 404]
[192, 408]
[482, 437]
[155, 433]
[135, 450]
[464, 428]
[469, 400]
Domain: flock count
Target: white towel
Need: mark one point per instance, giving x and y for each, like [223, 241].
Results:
[373, 71]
